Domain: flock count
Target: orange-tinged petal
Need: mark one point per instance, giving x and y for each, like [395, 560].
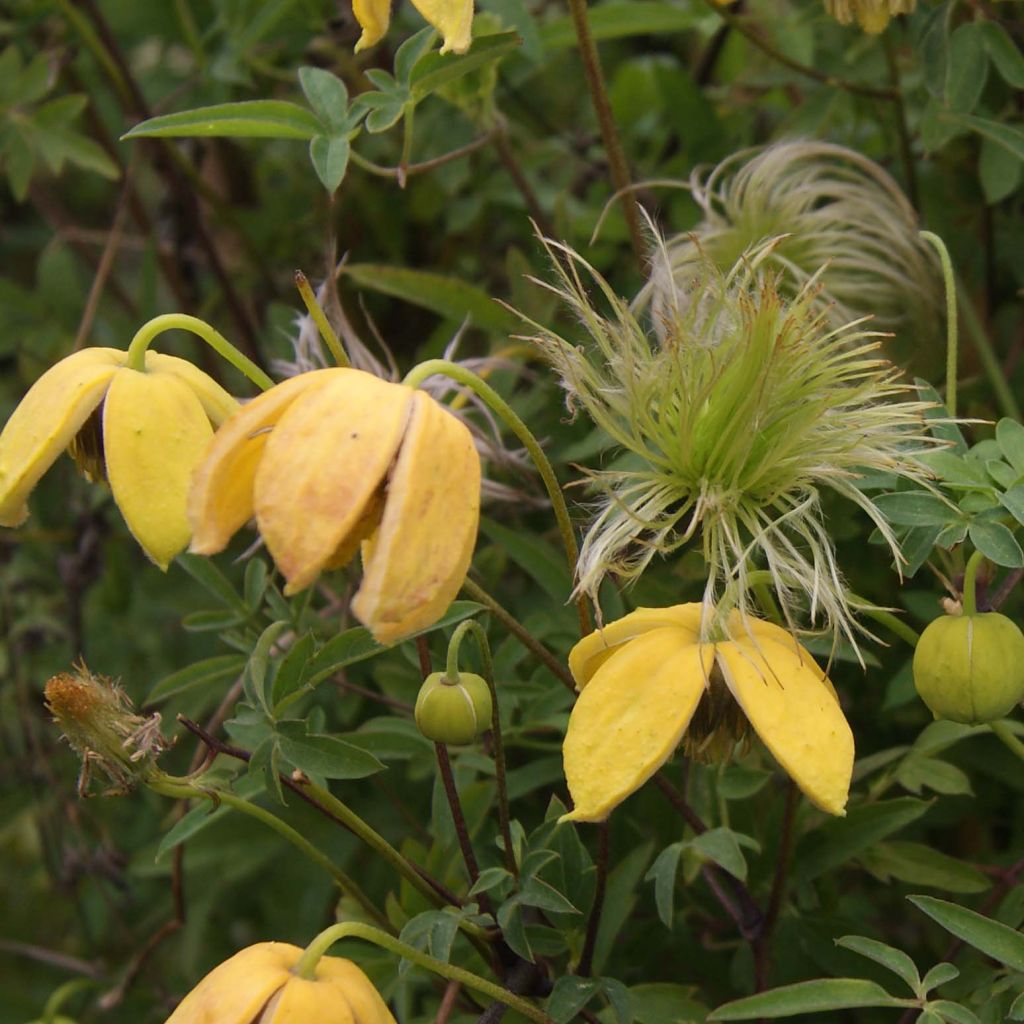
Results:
[373, 16]
[154, 432]
[46, 421]
[795, 715]
[219, 405]
[367, 1005]
[235, 991]
[630, 718]
[452, 18]
[594, 649]
[321, 466]
[419, 558]
[221, 496]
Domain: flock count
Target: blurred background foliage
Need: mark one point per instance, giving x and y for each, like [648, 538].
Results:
[97, 235]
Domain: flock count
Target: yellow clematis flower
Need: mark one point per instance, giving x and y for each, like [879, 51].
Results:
[649, 678]
[335, 458]
[140, 431]
[257, 984]
[452, 18]
[873, 16]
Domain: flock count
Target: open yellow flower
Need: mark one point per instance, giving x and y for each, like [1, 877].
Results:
[648, 679]
[141, 431]
[334, 458]
[452, 18]
[257, 986]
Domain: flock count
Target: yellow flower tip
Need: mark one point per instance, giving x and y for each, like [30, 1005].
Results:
[452, 18]
[373, 17]
[258, 982]
[873, 20]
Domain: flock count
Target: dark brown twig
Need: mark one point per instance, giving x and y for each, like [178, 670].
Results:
[594, 921]
[762, 947]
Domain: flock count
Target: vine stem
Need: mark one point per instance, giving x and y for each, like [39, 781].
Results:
[763, 944]
[609, 132]
[1003, 392]
[323, 325]
[885, 618]
[952, 336]
[971, 583]
[167, 785]
[1002, 730]
[461, 375]
[182, 321]
[480, 635]
[306, 966]
[594, 921]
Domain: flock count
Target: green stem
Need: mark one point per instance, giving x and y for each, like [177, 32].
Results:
[989, 361]
[951, 317]
[169, 786]
[1002, 730]
[970, 583]
[418, 374]
[182, 321]
[885, 618]
[306, 966]
[323, 325]
[452, 671]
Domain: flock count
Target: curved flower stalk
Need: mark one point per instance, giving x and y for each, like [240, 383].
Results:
[827, 207]
[337, 459]
[872, 15]
[141, 430]
[730, 423]
[259, 983]
[452, 18]
[654, 677]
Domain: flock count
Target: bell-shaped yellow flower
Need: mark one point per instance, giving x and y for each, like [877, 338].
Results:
[648, 678]
[334, 458]
[143, 431]
[258, 984]
[452, 18]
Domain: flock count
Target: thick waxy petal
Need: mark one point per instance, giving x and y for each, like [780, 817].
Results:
[321, 465]
[597, 647]
[235, 991]
[154, 432]
[219, 405]
[221, 497]
[418, 560]
[366, 1002]
[452, 18]
[795, 715]
[630, 718]
[46, 421]
[341, 994]
[373, 16]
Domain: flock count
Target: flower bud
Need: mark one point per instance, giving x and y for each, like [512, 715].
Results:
[456, 711]
[970, 668]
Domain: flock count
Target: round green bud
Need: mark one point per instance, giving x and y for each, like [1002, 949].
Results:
[970, 668]
[453, 711]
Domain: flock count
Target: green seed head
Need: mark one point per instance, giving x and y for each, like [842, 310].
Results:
[456, 711]
[970, 668]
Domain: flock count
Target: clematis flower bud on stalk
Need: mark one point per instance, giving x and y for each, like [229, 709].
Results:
[141, 431]
[453, 710]
[336, 460]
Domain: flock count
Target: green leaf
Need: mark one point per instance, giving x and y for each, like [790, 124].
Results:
[619, 999]
[535, 556]
[1013, 502]
[808, 997]
[658, 1002]
[570, 995]
[259, 664]
[939, 975]
[410, 52]
[329, 156]
[968, 68]
[254, 119]
[956, 470]
[1010, 438]
[434, 932]
[894, 959]
[291, 673]
[1017, 1008]
[915, 508]
[842, 839]
[434, 70]
[328, 756]
[938, 419]
[447, 296]
[202, 673]
[1007, 136]
[999, 171]
[996, 543]
[722, 846]
[990, 937]
[663, 872]
[1003, 52]
[327, 96]
[953, 1013]
[536, 893]
[620, 20]
[916, 772]
[202, 815]
[208, 576]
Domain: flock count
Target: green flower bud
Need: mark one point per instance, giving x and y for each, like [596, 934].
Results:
[970, 668]
[456, 711]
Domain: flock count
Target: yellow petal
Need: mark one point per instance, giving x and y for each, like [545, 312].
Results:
[594, 649]
[873, 19]
[367, 1005]
[220, 499]
[452, 18]
[219, 405]
[46, 421]
[341, 994]
[322, 464]
[154, 432]
[630, 718]
[235, 991]
[373, 16]
[795, 715]
[419, 558]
